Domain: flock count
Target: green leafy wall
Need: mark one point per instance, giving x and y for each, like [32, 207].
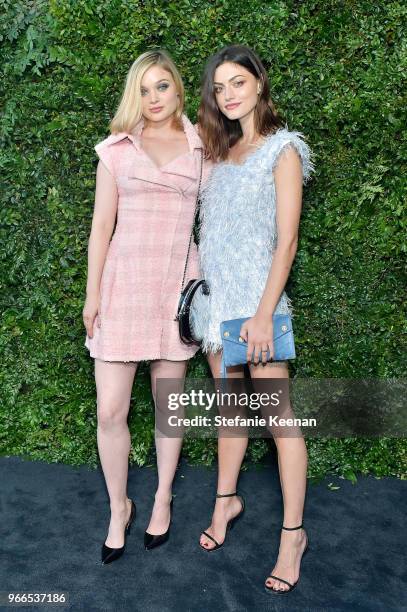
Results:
[336, 71]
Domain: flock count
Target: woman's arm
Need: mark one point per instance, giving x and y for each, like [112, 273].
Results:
[104, 216]
[288, 183]
[288, 177]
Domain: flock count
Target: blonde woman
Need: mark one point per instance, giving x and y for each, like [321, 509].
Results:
[146, 181]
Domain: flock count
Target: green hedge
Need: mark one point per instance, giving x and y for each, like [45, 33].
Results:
[336, 75]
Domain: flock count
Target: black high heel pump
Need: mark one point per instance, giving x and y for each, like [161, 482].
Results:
[111, 554]
[290, 586]
[152, 541]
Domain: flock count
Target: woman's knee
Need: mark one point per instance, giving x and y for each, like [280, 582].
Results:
[174, 373]
[111, 412]
[114, 381]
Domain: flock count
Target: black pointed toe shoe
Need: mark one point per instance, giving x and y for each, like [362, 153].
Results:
[111, 554]
[152, 541]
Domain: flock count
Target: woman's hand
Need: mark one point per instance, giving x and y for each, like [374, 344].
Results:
[258, 333]
[90, 311]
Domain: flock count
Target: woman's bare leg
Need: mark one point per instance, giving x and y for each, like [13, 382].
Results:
[168, 449]
[114, 381]
[231, 453]
[292, 464]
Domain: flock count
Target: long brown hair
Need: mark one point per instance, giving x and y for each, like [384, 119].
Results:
[217, 131]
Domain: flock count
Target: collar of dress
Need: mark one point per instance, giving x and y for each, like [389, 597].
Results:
[194, 140]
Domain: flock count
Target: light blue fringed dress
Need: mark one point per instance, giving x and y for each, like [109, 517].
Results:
[238, 235]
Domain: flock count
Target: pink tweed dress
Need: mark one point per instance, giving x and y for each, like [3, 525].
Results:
[142, 274]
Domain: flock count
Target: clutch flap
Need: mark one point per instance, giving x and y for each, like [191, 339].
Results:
[230, 330]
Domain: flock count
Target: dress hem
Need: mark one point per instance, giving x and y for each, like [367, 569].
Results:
[153, 357]
[211, 347]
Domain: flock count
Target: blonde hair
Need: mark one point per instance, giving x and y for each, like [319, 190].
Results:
[129, 111]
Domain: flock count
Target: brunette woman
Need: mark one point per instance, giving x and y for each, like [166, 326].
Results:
[250, 215]
[146, 182]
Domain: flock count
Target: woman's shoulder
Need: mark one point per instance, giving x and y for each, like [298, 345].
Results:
[283, 135]
[111, 140]
[110, 155]
[282, 139]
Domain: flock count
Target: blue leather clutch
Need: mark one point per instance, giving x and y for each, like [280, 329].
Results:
[235, 348]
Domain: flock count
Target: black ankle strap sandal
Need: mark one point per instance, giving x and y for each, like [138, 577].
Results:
[290, 586]
[227, 494]
[229, 524]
